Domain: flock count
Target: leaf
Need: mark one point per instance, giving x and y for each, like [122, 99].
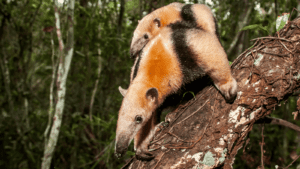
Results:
[84, 10]
[256, 27]
[282, 20]
[250, 27]
[130, 153]
[30, 155]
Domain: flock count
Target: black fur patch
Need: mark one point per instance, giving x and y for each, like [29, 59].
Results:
[188, 16]
[137, 65]
[185, 54]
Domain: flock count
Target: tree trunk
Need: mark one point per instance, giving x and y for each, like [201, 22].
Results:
[66, 54]
[207, 132]
[120, 19]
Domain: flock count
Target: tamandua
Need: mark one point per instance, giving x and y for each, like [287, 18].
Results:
[151, 24]
[180, 53]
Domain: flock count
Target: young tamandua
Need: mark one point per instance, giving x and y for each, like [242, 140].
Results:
[152, 23]
[179, 54]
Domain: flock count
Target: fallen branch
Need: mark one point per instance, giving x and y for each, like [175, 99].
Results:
[272, 120]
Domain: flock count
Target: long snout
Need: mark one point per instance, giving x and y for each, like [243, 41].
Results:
[124, 136]
[134, 52]
[121, 146]
[137, 46]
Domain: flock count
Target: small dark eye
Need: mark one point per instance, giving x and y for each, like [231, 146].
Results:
[138, 119]
[146, 36]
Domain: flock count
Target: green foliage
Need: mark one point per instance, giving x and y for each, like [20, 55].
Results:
[281, 21]
[255, 27]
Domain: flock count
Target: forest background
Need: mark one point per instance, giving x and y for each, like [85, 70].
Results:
[29, 55]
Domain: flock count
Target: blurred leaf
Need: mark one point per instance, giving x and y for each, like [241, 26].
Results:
[255, 27]
[282, 20]
[130, 153]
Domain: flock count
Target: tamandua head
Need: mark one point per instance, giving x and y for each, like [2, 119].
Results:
[151, 24]
[135, 112]
[146, 29]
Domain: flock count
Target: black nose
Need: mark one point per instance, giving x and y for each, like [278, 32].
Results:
[132, 54]
[120, 150]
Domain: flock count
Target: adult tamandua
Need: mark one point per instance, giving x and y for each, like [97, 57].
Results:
[182, 43]
[178, 55]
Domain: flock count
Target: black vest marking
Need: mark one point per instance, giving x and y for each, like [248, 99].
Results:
[188, 16]
[137, 65]
[185, 54]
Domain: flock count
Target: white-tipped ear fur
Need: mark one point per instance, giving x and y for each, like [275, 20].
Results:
[152, 94]
[157, 22]
[123, 91]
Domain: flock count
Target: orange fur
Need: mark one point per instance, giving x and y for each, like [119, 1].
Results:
[159, 69]
[159, 66]
[151, 24]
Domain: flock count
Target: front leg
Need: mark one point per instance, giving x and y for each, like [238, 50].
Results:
[143, 138]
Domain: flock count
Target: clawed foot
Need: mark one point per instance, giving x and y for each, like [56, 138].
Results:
[144, 155]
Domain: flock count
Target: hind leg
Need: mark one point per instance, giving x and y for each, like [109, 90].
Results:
[211, 57]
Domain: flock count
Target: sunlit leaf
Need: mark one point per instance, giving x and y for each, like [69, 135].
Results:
[282, 20]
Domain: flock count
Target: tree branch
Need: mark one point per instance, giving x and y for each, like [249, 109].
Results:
[96, 83]
[263, 81]
[120, 19]
[272, 120]
[51, 109]
[35, 14]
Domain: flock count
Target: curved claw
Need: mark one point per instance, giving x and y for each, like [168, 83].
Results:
[144, 155]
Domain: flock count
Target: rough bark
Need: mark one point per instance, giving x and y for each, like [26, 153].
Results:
[207, 132]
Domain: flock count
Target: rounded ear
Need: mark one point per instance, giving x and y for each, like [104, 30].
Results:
[157, 22]
[152, 94]
[123, 91]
